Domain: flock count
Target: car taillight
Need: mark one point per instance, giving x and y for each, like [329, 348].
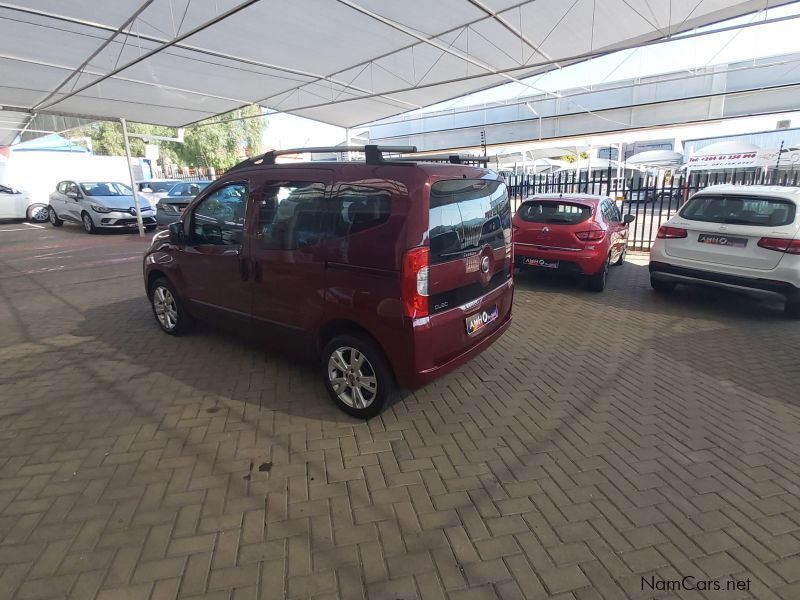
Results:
[780, 245]
[594, 235]
[414, 286]
[671, 233]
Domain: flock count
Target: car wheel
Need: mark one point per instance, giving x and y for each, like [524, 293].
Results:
[167, 308]
[88, 224]
[54, 220]
[356, 376]
[597, 282]
[622, 256]
[38, 213]
[662, 286]
[792, 309]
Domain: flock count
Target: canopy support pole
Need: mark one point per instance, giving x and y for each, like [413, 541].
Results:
[133, 180]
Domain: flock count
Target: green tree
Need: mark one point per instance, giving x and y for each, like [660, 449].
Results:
[219, 142]
[571, 158]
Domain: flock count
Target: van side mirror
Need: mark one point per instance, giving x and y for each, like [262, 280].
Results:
[628, 219]
[176, 234]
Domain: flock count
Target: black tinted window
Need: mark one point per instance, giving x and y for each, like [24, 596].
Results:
[219, 218]
[157, 186]
[740, 210]
[357, 208]
[289, 214]
[548, 211]
[465, 215]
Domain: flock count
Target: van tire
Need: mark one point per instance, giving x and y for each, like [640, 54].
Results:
[180, 320]
[354, 380]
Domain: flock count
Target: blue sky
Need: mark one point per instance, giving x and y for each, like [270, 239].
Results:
[677, 54]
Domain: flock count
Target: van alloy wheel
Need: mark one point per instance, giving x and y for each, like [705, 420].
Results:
[352, 377]
[165, 307]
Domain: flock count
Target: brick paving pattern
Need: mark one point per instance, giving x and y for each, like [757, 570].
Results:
[604, 439]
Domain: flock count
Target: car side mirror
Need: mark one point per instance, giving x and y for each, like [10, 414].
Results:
[176, 235]
[73, 195]
[628, 219]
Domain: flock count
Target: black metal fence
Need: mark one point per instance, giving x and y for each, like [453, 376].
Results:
[650, 199]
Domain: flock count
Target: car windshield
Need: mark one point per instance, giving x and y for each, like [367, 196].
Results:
[189, 188]
[157, 186]
[105, 188]
[544, 211]
[739, 210]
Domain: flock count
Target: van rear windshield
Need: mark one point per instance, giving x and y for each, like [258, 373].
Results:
[466, 215]
[739, 210]
[547, 211]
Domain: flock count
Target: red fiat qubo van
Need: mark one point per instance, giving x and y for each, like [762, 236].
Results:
[392, 271]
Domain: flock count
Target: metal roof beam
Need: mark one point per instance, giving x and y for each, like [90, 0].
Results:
[99, 49]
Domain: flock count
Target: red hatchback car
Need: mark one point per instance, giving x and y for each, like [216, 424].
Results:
[389, 271]
[578, 234]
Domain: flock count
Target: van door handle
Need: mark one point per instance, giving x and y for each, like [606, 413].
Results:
[257, 269]
[244, 269]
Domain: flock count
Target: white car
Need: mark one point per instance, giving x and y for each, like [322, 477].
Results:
[742, 238]
[15, 204]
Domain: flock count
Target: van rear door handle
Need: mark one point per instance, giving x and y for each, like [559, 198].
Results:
[244, 268]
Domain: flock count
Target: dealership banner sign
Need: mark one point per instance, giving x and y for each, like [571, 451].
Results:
[742, 160]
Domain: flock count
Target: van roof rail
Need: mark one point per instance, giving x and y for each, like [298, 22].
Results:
[372, 152]
[454, 159]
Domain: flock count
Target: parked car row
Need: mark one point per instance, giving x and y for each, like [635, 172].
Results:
[97, 205]
[739, 238]
[393, 274]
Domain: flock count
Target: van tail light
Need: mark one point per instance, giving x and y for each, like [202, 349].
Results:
[593, 235]
[780, 245]
[414, 282]
[671, 233]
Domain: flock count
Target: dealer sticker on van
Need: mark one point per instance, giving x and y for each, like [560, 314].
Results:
[480, 320]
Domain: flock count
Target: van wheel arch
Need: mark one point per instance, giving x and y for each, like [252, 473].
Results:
[151, 278]
[338, 327]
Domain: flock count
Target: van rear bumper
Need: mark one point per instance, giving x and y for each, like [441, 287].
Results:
[438, 339]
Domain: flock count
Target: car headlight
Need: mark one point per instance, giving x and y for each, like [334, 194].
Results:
[100, 208]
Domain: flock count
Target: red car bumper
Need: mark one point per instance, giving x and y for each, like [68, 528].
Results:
[586, 261]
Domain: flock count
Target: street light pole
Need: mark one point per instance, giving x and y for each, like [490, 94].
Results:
[133, 181]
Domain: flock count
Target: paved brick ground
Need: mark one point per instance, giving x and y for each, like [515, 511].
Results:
[606, 438]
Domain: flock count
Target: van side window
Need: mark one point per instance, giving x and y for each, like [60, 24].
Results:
[357, 208]
[289, 214]
[219, 218]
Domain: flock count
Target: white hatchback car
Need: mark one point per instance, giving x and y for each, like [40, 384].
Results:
[742, 238]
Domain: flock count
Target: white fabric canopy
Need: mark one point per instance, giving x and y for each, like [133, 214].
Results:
[346, 62]
[656, 158]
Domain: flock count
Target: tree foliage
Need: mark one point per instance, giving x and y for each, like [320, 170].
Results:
[219, 142]
[571, 158]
